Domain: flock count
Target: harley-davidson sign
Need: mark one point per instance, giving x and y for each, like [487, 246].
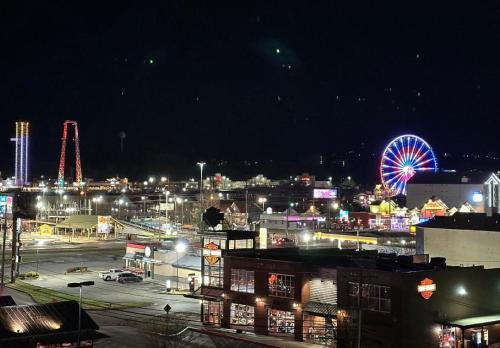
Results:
[426, 288]
[212, 253]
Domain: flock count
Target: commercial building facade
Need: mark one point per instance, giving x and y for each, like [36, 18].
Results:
[412, 306]
[452, 188]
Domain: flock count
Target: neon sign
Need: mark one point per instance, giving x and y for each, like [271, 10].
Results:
[426, 288]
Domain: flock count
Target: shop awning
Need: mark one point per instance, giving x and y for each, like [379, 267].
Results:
[320, 308]
[471, 322]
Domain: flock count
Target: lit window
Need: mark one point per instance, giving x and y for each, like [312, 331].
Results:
[281, 322]
[373, 297]
[281, 285]
[242, 280]
[242, 316]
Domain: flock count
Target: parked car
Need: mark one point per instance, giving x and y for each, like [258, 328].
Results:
[129, 278]
[283, 242]
[112, 274]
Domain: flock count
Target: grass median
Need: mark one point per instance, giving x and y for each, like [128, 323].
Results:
[43, 295]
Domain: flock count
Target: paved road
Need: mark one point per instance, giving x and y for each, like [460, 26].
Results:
[52, 264]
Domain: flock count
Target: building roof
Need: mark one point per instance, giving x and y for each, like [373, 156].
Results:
[79, 222]
[7, 301]
[465, 221]
[450, 178]
[471, 322]
[51, 318]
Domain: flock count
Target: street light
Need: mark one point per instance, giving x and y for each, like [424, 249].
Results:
[179, 248]
[143, 199]
[262, 200]
[96, 200]
[166, 207]
[80, 285]
[201, 164]
[38, 244]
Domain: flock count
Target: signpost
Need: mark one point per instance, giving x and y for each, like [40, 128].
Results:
[167, 309]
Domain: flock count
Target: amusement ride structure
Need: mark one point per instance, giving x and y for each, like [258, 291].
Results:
[402, 158]
[60, 178]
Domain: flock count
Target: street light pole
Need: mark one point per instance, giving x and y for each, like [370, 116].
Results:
[179, 248]
[80, 286]
[166, 207]
[201, 164]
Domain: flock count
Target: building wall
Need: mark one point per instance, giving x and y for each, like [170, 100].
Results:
[460, 247]
[453, 195]
[260, 298]
[413, 320]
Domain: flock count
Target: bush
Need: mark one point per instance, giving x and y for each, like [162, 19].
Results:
[77, 269]
[29, 275]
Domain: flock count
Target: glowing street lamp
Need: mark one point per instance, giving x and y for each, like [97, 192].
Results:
[306, 237]
[179, 248]
[262, 200]
[96, 200]
[143, 199]
[80, 285]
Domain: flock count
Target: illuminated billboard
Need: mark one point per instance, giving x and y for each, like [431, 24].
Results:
[5, 205]
[103, 224]
[325, 193]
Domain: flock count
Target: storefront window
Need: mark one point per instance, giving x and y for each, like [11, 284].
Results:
[242, 280]
[319, 329]
[214, 272]
[373, 297]
[281, 285]
[242, 316]
[212, 312]
[447, 337]
[281, 322]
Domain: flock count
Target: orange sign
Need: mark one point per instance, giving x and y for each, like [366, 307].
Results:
[211, 259]
[426, 288]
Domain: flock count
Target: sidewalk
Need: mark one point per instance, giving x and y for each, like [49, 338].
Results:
[267, 340]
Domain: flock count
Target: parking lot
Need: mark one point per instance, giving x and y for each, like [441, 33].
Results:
[52, 275]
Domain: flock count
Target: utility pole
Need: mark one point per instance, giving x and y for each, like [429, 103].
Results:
[16, 227]
[360, 311]
[3, 229]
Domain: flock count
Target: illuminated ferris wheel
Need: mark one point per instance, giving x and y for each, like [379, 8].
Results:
[403, 157]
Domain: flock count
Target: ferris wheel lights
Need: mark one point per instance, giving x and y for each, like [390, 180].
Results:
[405, 156]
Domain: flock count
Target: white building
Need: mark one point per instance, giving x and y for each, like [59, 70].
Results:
[464, 239]
[453, 189]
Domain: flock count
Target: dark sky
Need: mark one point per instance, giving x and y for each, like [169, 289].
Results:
[191, 80]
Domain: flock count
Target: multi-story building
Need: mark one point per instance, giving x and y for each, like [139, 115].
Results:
[399, 303]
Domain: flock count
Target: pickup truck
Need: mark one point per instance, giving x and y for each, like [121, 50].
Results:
[112, 274]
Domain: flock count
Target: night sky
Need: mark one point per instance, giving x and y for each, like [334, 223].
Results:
[260, 80]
